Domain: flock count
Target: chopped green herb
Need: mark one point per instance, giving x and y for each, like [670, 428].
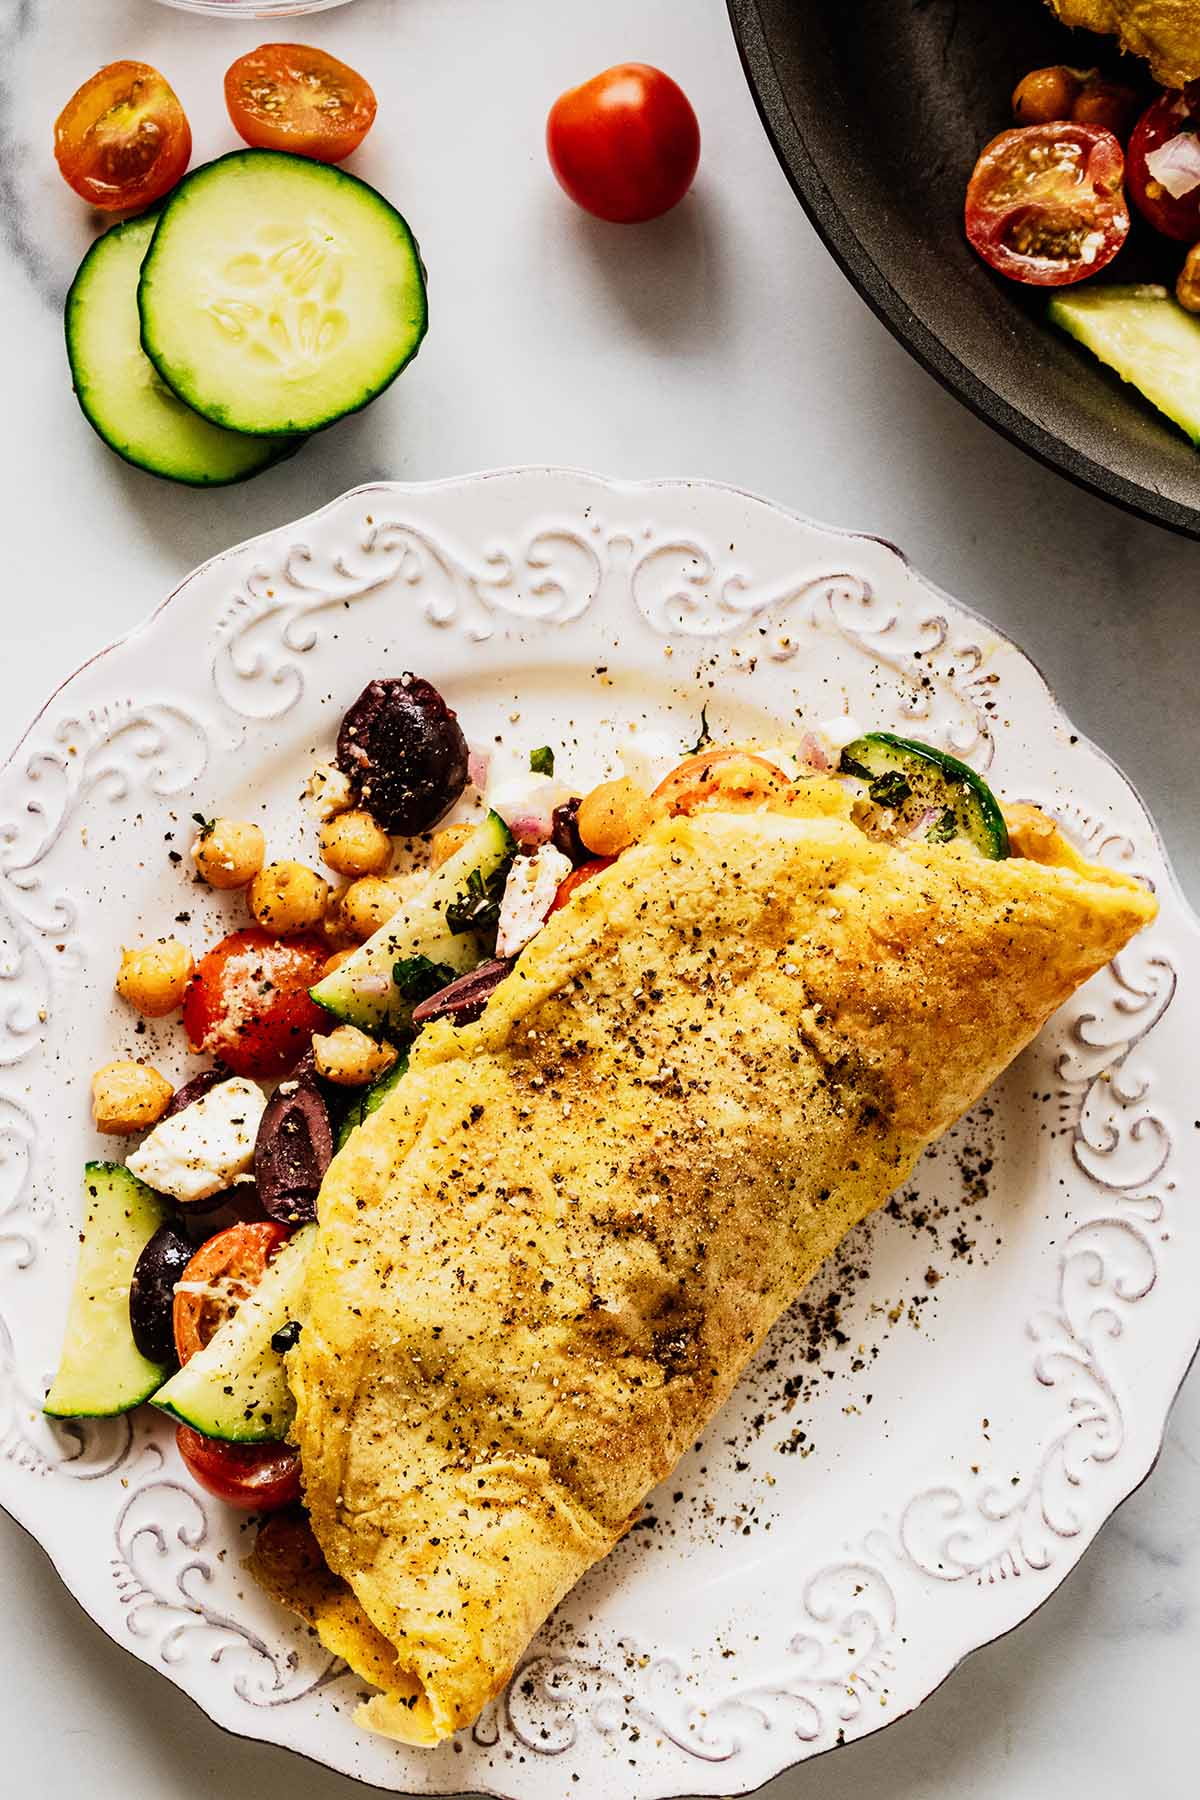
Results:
[942, 830]
[541, 762]
[478, 909]
[705, 738]
[418, 977]
[207, 826]
[890, 789]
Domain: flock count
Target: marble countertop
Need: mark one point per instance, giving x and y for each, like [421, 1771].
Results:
[721, 342]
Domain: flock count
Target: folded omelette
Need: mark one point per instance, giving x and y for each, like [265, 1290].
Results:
[542, 1265]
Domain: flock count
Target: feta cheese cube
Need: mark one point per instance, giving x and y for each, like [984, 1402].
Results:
[203, 1149]
[532, 884]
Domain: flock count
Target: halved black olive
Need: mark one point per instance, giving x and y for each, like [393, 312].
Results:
[464, 999]
[293, 1149]
[193, 1090]
[404, 750]
[152, 1293]
[564, 832]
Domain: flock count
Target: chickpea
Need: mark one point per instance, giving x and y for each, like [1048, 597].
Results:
[446, 842]
[229, 852]
[612, 816]
[128, 1096]
[351, 1058]
[1109, 104]
[353, 844]
[154, 978]
[288, 897]
[1045, 96]
[1187, 288]
[366, 905]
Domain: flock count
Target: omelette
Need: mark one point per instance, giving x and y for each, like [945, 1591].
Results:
[1165, 32]
[542, 1265]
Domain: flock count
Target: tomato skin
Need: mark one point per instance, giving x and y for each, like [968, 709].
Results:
[252, 1477]
[1177, 219]
[248, 1004]
[239, 1254]
[122, 140]
[294, 97]
[576, 878]
[625, 145]
[1045, 205]
[722, 781]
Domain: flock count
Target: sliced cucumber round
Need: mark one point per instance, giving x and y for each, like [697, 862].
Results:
[279, 294]
[121, 393]
[930, 794]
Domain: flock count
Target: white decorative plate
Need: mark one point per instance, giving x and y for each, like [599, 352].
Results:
[930, 1440]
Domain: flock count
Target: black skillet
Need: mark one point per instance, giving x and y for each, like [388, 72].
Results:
[877, 110]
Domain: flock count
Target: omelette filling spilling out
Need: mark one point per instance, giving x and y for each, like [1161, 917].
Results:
[542, 1264]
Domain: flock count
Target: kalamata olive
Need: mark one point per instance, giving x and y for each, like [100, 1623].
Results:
[292, 1152]
[152, 1293]
[195, 1089]
[403, 749]
[464, 1000]
[564, 832]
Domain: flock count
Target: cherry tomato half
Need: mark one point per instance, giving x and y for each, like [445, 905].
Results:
[247, 1002]
[292, 97]
[625, 145]
[1045, 203]
[123, 139]
[228, 1267]
[1169, 117]
[720, 781]
[576, 878]
[254, 1477]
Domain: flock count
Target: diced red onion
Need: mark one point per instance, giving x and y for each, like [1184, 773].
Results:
[814, 755]
[478, 764]
[529, 828]
[1175, 165]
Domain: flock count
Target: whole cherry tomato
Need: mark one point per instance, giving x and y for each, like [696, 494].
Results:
[625, 145]
[720, 781]
[253, 1477]
[576, 878]
[1045, 203]
[218, 1278]
[247, 1002]
[292, 97]
[1169, 118]
[123, 139]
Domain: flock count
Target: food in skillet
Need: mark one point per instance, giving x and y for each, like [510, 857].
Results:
[1046, 206]
[663, 1050]
[1165, 32]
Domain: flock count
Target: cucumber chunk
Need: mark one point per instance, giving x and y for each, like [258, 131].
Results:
[102, 1371]
[369, 1102]
[279, 293]
[121, 393]
[1146, 337]
[363, 993]
[236, 1387]
[932, 795]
